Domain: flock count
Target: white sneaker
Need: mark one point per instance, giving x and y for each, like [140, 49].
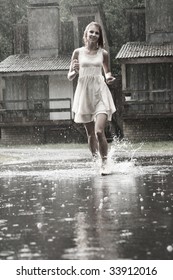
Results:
[105, 169]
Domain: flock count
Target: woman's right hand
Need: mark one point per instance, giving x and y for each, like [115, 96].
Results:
[75, 65]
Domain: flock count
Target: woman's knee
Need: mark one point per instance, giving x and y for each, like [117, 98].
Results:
[99, 133]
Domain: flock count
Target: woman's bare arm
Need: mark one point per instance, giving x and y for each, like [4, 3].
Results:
[108, 75]
[74, 66]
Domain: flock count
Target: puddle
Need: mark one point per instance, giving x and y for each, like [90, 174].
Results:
[55, 205]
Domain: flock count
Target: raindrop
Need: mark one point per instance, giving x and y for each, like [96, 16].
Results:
[25, 249]
[52, 198]
[126, 233]
[4, 228]
[50, 240]
[33, 243]
[3, 222]
[169, 248]
[39, 225]
[125, 213]
[6, 253]
[101, 205]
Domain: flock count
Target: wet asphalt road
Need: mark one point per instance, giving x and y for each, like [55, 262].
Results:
[55, 205]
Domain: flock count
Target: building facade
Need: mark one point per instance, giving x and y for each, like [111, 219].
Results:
[35, 95]
[147, 76]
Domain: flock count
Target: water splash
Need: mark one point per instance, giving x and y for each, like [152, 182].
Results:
[122, 157]
[123, 149]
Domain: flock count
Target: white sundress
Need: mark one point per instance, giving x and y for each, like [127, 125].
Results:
[92, 95]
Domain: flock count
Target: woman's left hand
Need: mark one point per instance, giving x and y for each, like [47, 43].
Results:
[110, 80]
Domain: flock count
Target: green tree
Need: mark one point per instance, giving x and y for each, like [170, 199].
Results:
[11, 12]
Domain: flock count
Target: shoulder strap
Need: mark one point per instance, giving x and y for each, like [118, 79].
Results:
[81, 51]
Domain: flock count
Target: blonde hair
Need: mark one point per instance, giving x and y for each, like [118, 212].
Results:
[100, 40]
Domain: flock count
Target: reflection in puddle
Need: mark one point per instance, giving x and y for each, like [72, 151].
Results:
[63, 209]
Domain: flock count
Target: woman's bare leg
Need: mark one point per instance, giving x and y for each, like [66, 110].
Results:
[100, 134]
[92, 140]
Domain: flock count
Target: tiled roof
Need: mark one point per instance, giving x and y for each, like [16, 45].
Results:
[144, 50]
[25, 63]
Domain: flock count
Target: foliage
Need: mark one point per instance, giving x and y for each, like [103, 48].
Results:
[11, 11]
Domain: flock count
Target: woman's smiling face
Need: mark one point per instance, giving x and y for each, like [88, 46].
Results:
[93, 34]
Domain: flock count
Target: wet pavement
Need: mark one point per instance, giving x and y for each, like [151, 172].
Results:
[55, 205]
